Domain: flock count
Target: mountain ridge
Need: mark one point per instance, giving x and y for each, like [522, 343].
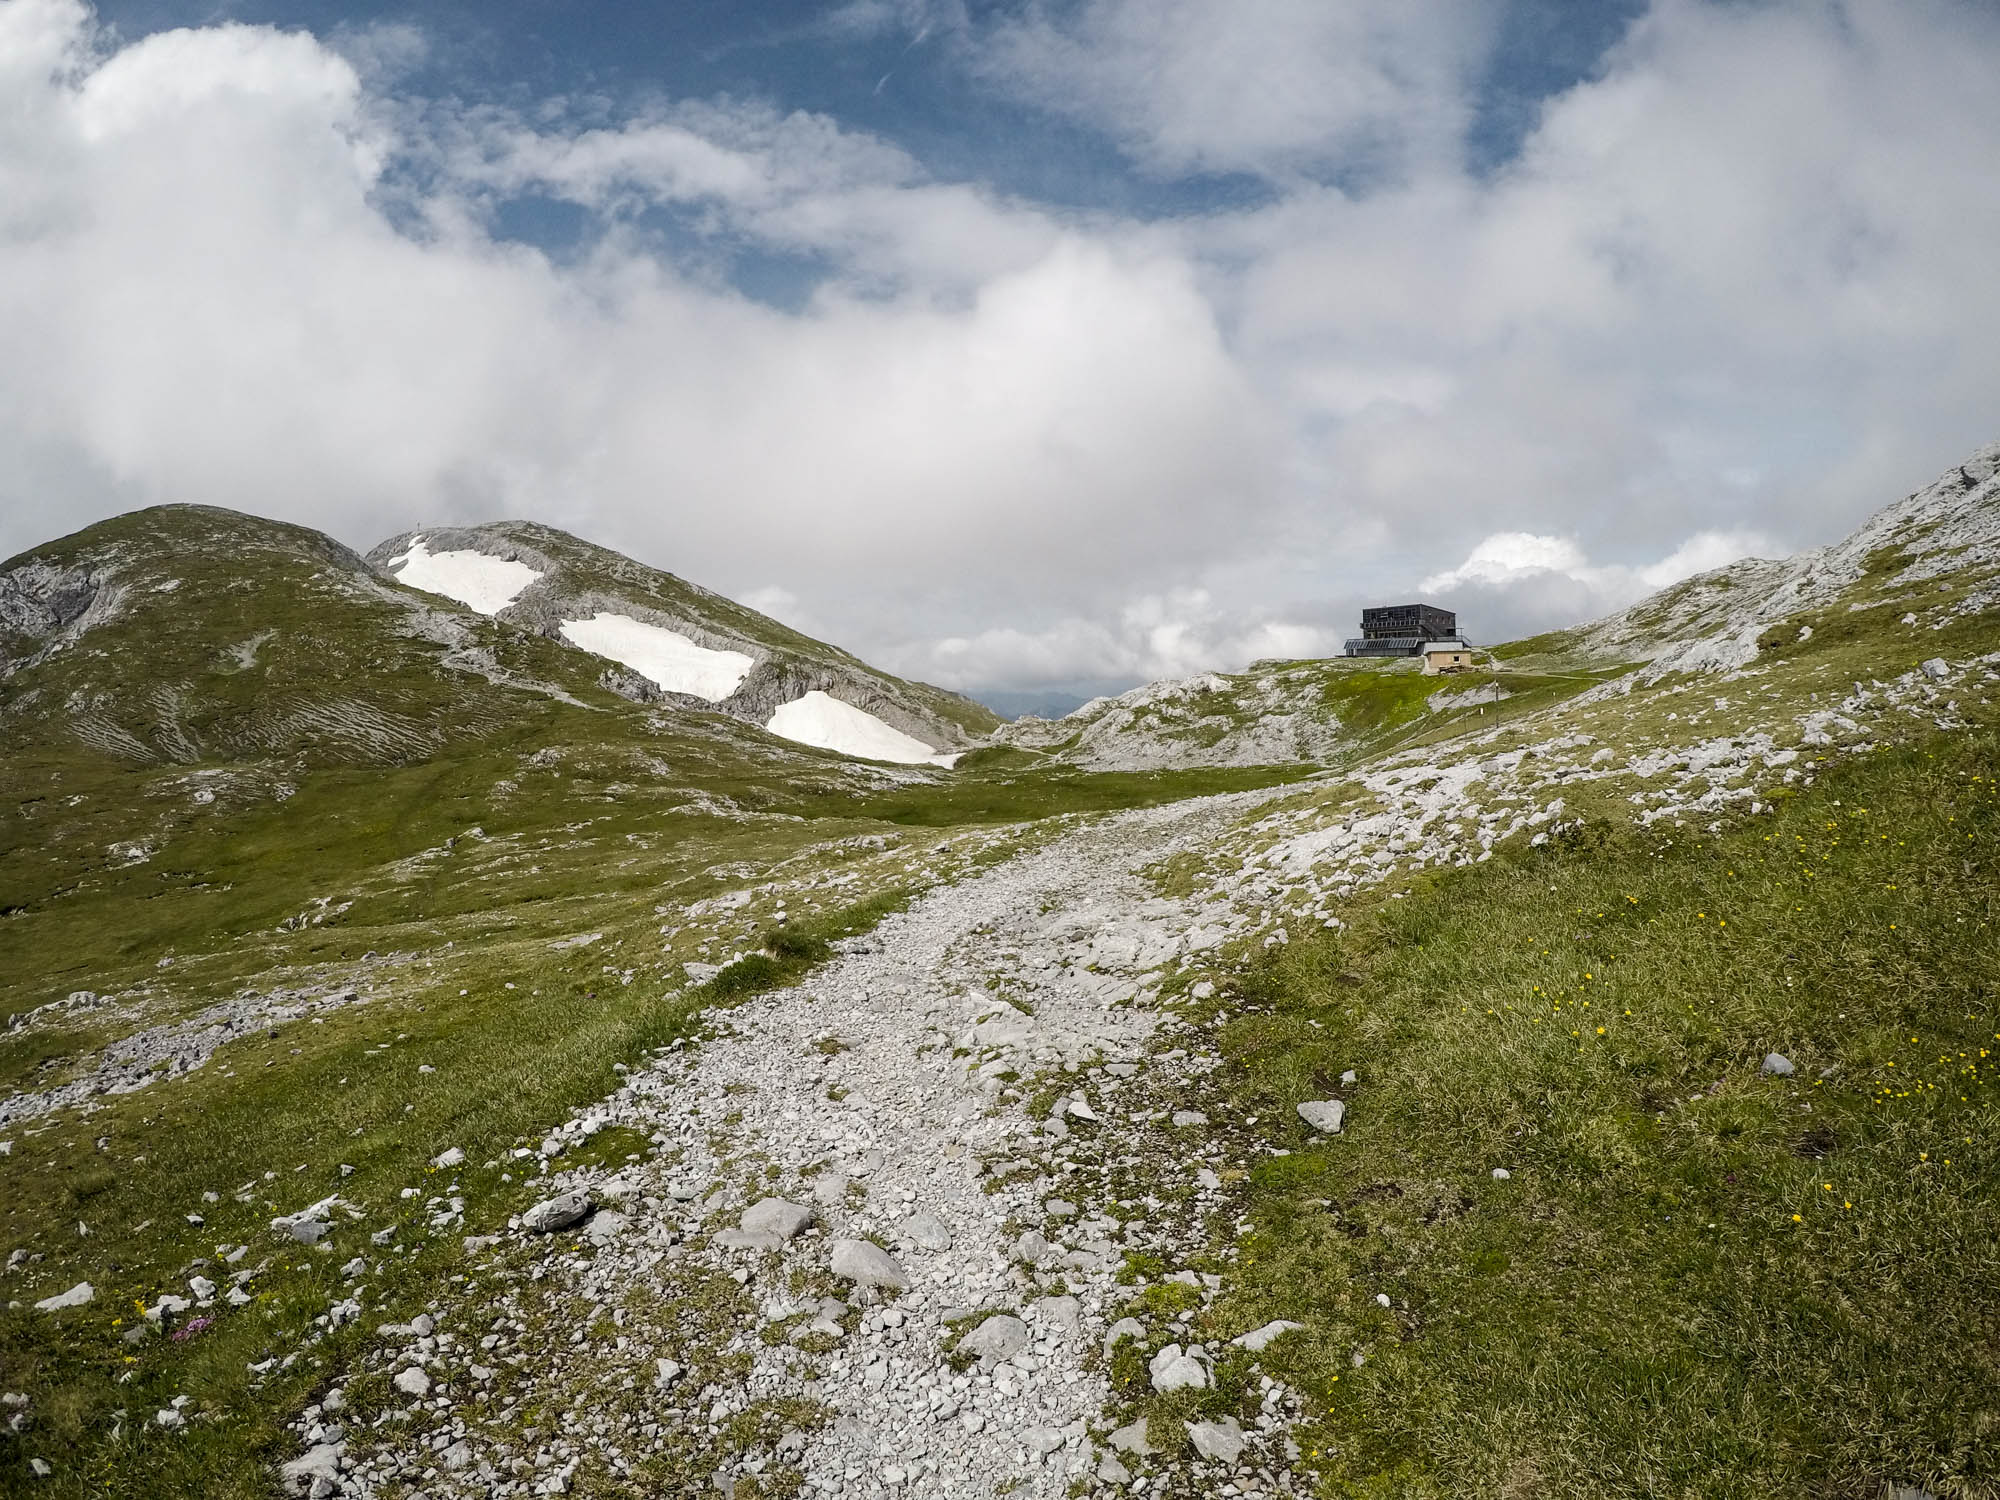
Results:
[577, 584]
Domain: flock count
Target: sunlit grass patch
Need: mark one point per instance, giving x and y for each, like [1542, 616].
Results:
[1698, 1277]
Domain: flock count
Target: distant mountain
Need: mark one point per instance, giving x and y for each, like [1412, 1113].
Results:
[671, 640]
[1032, 704]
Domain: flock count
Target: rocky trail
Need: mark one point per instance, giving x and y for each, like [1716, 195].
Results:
[854, 1263]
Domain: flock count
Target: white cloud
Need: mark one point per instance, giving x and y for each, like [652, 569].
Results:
[1169, 635]
[1515, 582]
[226, 314]
[1277, 87]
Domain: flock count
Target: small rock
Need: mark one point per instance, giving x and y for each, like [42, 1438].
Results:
[1174, 1371]
[168, 1418]
[1778, 1065]
[423, 1325]
[413, 1382]
[1183, 1118]
[1323, 1115]
[604, 1226]
[1065, 1313]
[1132, 1439]
[1350, 1078]
[1110, 1471]
[925, 1230]
[202, 1287]
[775, 1216]
[1042, 1441]
[556, 1213]
[866, 1264]
[448, 1159]
[1221, 1440]
[1937, 669]
[1501, 1174]
[1030, 1249]
[76, 1296]
[1124, 1328]
[1259, 1339]
[1000, 1337]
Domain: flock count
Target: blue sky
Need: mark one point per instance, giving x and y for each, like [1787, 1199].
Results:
[1024, 344]
[899, 71]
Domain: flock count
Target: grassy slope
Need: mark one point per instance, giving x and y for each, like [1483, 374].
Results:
[574, 839]
[1699, 1280]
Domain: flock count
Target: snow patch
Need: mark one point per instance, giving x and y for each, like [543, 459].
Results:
[822, 720]
[664, 656]
[487, 584]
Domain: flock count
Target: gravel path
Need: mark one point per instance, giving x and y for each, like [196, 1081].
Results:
[688, 1339]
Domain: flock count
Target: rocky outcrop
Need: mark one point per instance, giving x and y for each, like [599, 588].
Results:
[43, 607]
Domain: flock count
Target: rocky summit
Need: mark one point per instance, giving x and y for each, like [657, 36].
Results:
[489, 1018]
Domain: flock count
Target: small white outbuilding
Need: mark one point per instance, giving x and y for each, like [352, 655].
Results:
[1446, 656]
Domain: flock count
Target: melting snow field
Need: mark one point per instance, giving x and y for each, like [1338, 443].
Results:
[824, 721]
[487, 584]
[664, 656]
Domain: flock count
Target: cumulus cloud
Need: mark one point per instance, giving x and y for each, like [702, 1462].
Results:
[1515, 582]
[1733, 292]
[225, 311]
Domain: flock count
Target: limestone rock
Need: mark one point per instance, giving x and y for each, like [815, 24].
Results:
[1124, 1328]
[999, 1337]
[1132, 1439]
[776, 1216]
[1173, 1370]
[1260, 1339]
[559, 1212]
[925, 1230]
[1323, 1114]
[1221, 1440]
[866, 1264]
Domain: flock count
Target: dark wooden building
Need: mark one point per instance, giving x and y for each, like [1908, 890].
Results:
[1402, 629]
